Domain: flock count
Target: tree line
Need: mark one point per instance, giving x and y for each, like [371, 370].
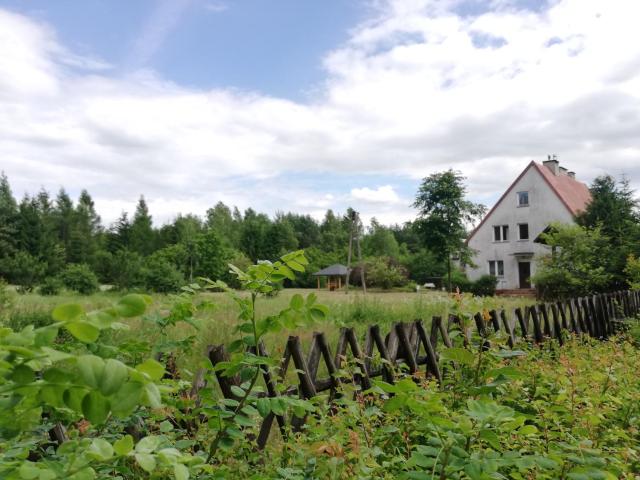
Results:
[51, 242]
[47, 241]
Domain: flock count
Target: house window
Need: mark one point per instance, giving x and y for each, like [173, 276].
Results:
[496, 268]
[523, 231]
[501, 233]
[523, 199]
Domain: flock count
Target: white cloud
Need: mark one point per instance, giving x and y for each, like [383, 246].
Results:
[413, 91]
[216, 7]
[384, 194]
[159, 25]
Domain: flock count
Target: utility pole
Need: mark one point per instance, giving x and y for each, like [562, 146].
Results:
[354, 229]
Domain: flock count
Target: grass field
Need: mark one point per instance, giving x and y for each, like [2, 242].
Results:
[217, 323]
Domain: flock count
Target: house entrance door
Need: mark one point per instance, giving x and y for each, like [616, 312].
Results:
[524, 274]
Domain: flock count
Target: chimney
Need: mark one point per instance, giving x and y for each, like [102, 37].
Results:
[572, 174]
[552, 164]
[563, 170]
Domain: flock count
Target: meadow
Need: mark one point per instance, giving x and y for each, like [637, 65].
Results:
[218, 318]
[82, 396]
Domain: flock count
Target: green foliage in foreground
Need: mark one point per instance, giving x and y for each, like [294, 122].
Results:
[540, 412]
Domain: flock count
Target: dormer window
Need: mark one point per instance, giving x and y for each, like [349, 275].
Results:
[523, 199]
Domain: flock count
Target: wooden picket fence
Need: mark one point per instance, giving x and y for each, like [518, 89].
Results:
[409, 345]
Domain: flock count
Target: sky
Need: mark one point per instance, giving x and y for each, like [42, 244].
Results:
[301, 105]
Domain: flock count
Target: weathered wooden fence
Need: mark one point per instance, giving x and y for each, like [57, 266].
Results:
[411, 346]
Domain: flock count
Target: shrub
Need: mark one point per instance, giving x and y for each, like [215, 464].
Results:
[485, 286]
[458, 280]
[632, 270]
[25, 271]
[162, 277]
[127, 270]
[50, 286]
[79, 278]
[382, 272]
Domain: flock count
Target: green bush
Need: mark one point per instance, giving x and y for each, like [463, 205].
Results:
[50, 286]
[384, 273]
[80, 278]
[25, 271]
[485, 286]
[127, 270]
[458, 280]
[162, 277]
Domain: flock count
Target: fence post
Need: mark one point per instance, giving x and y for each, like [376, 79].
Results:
[537, 331]
[511, 338]
[218, 354]
[557, 328]
[523, 326]
[408, 353]
[545, 318]
[387, 367]
[432, 360]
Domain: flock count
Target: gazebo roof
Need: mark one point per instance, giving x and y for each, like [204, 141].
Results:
[336, 269]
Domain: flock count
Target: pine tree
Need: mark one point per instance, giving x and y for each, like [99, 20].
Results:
[85, 227]
[142, 238]
[63, 213]
[119, 235]
[8, 216]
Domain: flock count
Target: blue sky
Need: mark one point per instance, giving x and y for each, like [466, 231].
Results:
[275, 48]
[309, 105]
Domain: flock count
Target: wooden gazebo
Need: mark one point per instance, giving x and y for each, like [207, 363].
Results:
[334, 273]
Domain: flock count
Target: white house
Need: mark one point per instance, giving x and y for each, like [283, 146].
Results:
[504, 240]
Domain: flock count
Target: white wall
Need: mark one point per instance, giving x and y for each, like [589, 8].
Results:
[544, 208]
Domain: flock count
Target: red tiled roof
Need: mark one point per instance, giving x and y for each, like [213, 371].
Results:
[574, 194]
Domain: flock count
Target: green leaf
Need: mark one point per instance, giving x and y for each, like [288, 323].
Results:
[148, 444]
[264, 407]
[151, 395]
[73, 398]
[491, 438]
[132, 305]
[124, 445]
[114, 376]
[237, 391]
[91, 369]
[67, 312]
[318, 312]
[146, 461]
[45, 336]
[52, 395]
[527, 430]
[293, 265]
[297, 302]
[86, 473]
[28, 470]
[127, 398]
[95, 407]
[154, 369]
[180, 472]
[244, 421]
[23, 374]
[100, 449]
[166, 426]
[83, 331]
[458, 355]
